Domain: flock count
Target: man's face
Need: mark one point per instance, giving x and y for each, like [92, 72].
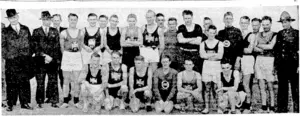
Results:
[103, 22]
[226, 67]
[115, 59]
[46, 22]
[14, 20]
[150, 17]
[206, 24]
[113, 22]
[131, 21]
[172, 25]
[188, 19]
[73, 21]
[188, 65]
[286, 24]
[160, 21]
[92, 21]
[138, 64]
[266, 24]
[95, 60]
[244, 23]
[256, 26]
[165, 62]
[212, 33]
[228, 20]
[56, 21]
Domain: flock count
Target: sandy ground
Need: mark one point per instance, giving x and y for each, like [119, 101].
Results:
[48, 110]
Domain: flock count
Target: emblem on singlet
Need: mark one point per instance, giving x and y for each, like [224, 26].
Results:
[75, 46]
[92, 43]
[226, 43]
[140, 82]
[115, 76]
[165, 85]
[93, 80]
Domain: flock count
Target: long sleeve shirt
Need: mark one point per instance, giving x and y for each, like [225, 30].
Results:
[286, 48]
[165, 85]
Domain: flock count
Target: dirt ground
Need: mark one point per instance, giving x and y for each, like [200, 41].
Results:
[48, 110]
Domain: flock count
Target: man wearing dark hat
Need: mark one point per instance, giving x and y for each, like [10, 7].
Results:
[17, 52]
[287, 63]
[47, 58]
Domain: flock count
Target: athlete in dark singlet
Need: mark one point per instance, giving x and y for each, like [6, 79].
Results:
[140, 82]
[113, 35]
[211, 51]
[92, 37]
[153, 40]
[94, 80]
[131, 39]
[117, 82]
[231, 91]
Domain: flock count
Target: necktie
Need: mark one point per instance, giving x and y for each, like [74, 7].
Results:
[17, 30]
[46, 31]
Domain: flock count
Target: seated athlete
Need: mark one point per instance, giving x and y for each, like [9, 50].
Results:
[93, 80]
[164, 86]
[140, 82]
[189, 86]
[230, 93]
[117, 83]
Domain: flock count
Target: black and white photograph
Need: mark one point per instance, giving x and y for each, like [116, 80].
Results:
[136, 58]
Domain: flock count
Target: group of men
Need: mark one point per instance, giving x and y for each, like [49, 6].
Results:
[154, 65]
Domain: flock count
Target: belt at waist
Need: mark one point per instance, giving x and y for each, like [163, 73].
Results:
[189, 50]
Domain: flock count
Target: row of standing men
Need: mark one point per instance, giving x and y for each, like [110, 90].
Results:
[42, 52]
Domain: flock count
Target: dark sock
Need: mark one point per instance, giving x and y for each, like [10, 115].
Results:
[246, 106]
[264, 107]
[272, 108]
[76, 100]
[66, 100]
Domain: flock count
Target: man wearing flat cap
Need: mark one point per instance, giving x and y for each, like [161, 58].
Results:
[17, 52]
[287, 63]
[47, 59]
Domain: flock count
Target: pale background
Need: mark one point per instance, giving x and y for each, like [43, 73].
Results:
[30, 17]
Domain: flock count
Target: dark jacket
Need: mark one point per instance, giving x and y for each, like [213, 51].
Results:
[286, 49]
[14, 44]
[62, 29]
[46, 44]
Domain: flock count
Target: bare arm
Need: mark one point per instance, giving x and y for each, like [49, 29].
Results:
[255, 48]
[174, 86]
[131, 82]
[196, 40]
[62, 40]
[250, 48]
[161, 41]
[83, 73]
[203, 54]
[105, 74]
[219, 54]
[268, 46]
[199, 83]
[181, 39]
[123, 42]
[155, 85]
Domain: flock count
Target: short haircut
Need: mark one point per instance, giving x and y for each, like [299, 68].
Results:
[92, 14]
[228, 14]
[73, 15]
[132, 16]
[103, 16]
[116, 52]
[95, 54]
[188, 59]
[113, 16]
[57, 15]
[160, 15]
[172, 19]
[256, 19]
[213, 27]
[187, 12]
[166, 56]
[266, 18]
[139, 58]
[226, 61]
[245, 17]
[151, 11]
[207, 18]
